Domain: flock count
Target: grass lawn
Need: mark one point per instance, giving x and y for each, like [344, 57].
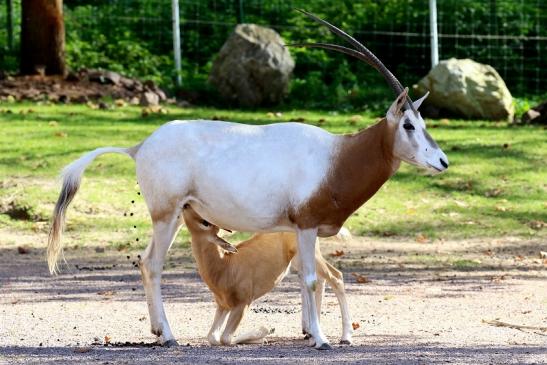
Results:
[495, 186]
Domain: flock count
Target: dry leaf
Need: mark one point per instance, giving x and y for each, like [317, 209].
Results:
[81, 350]
[61, 134]
[493, 192]
[337, 253]
[107, 340]
[422, 238]
[488, 253]
[355, 325]
[537, 224]
[361, 279]
[107, 293]
[519, 257]
[23, 250]
[542, 255]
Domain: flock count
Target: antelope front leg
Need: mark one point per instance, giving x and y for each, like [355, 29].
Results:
[306, 250]
[235, 317]
[151, 266]
[214, 333]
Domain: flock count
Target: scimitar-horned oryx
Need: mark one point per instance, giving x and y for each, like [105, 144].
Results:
[278, 177]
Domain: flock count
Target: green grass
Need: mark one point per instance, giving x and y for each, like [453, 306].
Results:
[496, 184]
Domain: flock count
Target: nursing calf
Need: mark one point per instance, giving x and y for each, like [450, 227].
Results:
[236, 280]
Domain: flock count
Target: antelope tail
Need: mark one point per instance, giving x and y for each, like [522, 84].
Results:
[71, 176]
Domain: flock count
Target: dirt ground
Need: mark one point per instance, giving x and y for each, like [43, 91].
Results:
[424, 303]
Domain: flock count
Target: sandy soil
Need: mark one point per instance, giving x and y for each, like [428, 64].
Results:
[423, 304]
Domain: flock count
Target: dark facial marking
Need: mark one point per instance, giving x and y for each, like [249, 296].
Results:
[432, 143]
[205, 223]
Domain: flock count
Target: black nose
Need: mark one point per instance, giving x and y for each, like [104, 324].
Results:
[443, 162]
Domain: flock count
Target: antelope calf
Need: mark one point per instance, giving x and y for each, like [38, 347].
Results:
[259, 264]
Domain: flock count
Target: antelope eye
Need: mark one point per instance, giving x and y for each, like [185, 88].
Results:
[205, 223]
[408, 127]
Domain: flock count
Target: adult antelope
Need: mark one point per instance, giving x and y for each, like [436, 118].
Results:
[278, 177]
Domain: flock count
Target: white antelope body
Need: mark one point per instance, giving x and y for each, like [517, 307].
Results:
[237, 280]
[280, 177]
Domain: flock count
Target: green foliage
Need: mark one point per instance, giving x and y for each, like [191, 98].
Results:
[135, 37]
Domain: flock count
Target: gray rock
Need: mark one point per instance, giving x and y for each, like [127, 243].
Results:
[148, 98]
[104, 77]
[253, 67]
[467, 89]
[536, 115]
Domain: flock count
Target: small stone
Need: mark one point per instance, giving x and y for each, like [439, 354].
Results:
[149, 98]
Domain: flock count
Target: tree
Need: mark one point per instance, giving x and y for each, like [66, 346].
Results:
[42, 37]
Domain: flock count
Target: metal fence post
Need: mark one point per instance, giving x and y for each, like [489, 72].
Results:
[176, 39]
[433, 32]
[239, 11]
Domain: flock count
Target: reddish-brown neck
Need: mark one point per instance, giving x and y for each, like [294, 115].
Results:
[362, 164]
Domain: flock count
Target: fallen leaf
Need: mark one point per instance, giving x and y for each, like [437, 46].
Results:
[61, 134]
[355, 325]
[23, 250]
[519, 257]
[493, 192]
[361, 279]
[107, 340]
[106, 293]
[356, 118]
[337, 253]
[299, 120]
[422, 238]
[542, 255]
[537, 224]
[81, 350]
[488, 253]
[461, 204]
[120, 103]
[497, 279]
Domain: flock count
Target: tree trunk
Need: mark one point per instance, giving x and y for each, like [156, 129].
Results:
[42, 37]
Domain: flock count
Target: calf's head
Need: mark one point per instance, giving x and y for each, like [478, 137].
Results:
[200, 229]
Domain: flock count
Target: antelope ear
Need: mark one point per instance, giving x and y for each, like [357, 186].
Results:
[395, 111]
[225, 245]
[418, 102]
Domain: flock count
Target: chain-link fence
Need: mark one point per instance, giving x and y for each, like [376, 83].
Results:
[510, 35]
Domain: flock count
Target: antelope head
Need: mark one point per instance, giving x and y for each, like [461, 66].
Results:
[412, 143]
[202, 229]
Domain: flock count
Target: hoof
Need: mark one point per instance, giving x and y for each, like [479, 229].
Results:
[345, 342]
[170, 343]
[307, 336]
[324, 346]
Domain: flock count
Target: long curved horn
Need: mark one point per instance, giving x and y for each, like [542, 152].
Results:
[353, 53]
[363, 54]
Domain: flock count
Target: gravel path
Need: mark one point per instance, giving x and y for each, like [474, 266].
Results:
[423, 304]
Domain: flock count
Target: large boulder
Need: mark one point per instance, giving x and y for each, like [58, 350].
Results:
[467, 89]
[253, 67]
